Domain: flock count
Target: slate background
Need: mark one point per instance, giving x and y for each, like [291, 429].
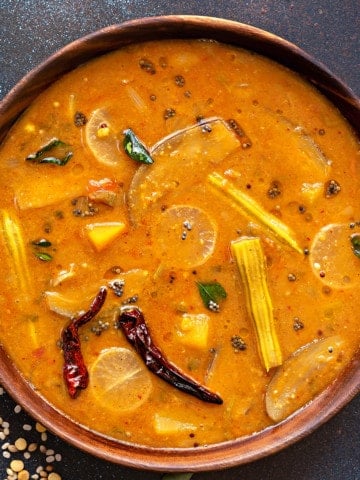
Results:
[30, 30]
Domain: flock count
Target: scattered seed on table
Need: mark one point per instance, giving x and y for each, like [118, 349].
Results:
[54, 476]
[32, 447]
[23, 475]
[21, 443]
[17, 465]
[39, 427]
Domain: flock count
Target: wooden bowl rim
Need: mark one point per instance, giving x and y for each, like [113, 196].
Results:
[247, 448]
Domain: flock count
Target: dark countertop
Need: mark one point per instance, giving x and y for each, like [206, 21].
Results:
[329, 30]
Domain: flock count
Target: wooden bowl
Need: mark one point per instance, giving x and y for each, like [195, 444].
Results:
[247, 448]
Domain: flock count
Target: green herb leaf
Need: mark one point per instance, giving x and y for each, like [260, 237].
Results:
[355, 242]
[211, 293]
[42, 242]
[177, 476]
[44, 257]
[135, 148]
[40, 155]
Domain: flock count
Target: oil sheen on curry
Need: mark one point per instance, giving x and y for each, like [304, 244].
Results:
[180, 237]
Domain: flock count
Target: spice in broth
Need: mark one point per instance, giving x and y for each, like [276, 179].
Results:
[180, 238]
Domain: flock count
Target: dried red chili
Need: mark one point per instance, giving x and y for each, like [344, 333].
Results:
[74, 371]
[132, 322]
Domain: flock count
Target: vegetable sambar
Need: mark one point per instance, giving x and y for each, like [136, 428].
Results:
[188, 205]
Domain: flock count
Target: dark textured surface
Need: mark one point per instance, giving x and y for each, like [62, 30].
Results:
[327, 29]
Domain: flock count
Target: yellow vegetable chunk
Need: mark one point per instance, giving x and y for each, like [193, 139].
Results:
[251, 262]
[194, 330]
[102, 235]
[170, 426]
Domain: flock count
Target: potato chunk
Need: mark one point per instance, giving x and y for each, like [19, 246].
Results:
[194, 330]
[101, 235]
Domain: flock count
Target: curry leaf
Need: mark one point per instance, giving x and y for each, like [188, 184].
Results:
[42, 242]
[135, 149]
[211, 293]
[39, 156]
[355, 242]
[44, 257]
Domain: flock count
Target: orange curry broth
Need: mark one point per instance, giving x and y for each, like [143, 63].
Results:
[156, 89]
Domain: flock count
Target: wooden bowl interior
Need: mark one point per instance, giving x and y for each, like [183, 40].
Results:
[244, 449]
